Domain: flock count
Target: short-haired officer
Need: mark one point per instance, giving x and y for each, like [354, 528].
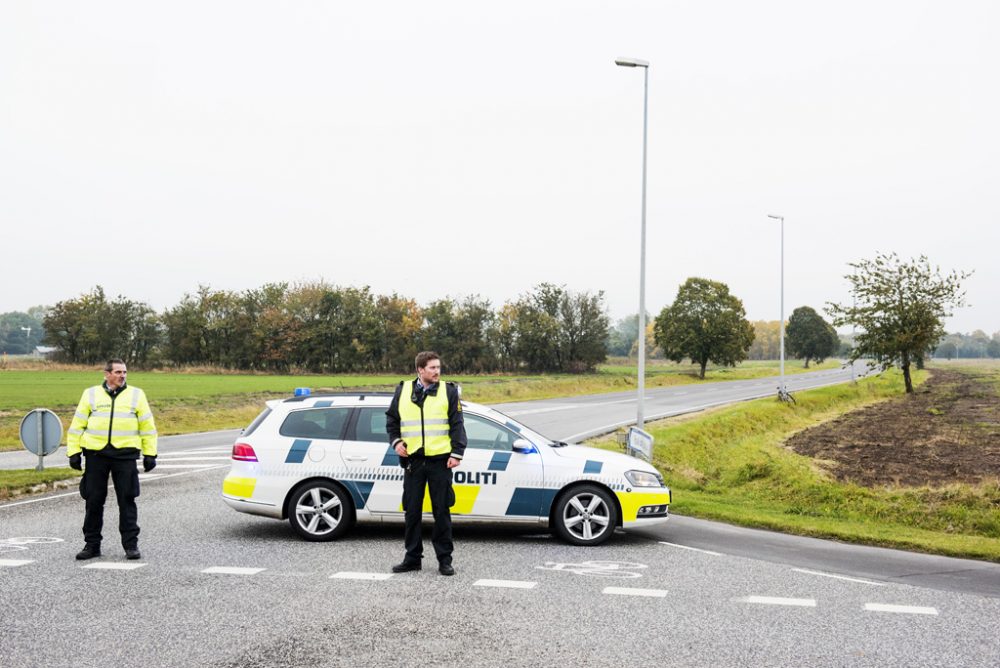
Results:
[113, 425]
[426, 428]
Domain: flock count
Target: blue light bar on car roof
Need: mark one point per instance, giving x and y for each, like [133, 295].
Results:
[302, 391]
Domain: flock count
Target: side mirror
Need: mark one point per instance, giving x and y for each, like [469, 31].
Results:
[524, 446]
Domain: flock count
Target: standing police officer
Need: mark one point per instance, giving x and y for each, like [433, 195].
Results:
[112, 426]
[426, 428]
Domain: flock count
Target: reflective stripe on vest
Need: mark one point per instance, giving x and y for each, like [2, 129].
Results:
[427, 429]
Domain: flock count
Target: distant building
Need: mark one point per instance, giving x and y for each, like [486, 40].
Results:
[43, 351]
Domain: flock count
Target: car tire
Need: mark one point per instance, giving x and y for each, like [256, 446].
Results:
[320, 511]
[585, 515]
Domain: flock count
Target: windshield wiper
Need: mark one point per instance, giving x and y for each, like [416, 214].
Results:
[558, 444]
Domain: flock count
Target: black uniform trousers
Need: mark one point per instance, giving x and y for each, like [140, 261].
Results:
[94, 488]
[436, 476]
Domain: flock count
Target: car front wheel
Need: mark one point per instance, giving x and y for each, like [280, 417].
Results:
[320, 511]
[586, 515]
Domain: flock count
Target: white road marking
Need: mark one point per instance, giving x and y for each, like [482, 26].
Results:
[693, 549]
[149, 477]
[113, 566]
[838, 577]
[181, 466]
[209, 458]
[534, 411]
[233, 570]
[15, 562]
[348, 575]
[510, 584]
[627, 591]
[775, 600]
[905, 609]
[205, 451]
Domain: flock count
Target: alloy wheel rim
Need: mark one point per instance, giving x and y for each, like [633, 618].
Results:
[586, 516]
[319, 511]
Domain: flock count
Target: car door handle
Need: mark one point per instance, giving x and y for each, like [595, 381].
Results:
[356, 458]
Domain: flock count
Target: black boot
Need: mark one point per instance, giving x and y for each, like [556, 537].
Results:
[89, 551]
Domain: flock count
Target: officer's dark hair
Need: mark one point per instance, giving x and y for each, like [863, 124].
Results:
[424, 358]
[112, 362]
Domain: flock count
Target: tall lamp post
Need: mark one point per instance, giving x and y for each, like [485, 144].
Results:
[633, 62]
[782, 391]
[27, 340]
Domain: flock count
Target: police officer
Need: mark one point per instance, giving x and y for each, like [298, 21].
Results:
[112, 426]
[427, 431]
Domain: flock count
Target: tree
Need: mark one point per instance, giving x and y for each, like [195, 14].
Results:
[766, 340]
[900, 306]
[946, 350]
[810, 337]
[623, 336]
[705, 324]
[20, 332]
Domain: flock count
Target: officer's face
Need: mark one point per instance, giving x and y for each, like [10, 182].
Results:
[430, 374]
[116, 377]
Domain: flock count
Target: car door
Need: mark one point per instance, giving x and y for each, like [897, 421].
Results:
[494, 480]
[372, 466]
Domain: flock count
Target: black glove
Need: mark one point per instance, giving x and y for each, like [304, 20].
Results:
[76, 462]
[148, 463]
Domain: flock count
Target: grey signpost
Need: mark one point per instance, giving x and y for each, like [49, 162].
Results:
[41, 432]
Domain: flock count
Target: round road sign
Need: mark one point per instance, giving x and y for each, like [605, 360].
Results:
[42, 441]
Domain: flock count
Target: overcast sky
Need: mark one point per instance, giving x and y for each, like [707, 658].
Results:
[455, 148]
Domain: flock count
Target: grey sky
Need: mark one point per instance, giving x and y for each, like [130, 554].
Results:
[458, 148]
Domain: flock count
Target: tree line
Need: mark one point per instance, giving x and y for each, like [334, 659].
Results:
[322, 328]
[898, 307]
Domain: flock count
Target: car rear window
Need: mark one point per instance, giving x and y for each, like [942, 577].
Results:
[316, 423]
[256, 422]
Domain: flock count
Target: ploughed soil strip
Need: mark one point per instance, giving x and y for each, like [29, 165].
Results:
[948, 431]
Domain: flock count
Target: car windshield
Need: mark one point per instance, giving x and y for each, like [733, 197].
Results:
[522, 431]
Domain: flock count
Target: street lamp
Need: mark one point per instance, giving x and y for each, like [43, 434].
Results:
[782, 391]
[27, 340]
[633, 62]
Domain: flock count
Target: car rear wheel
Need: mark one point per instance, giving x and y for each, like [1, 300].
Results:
[586, 515]
[320, 510]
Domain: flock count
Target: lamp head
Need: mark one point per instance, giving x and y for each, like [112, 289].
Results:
[631, 62]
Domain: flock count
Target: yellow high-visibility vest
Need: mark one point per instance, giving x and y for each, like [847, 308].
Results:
[426, 428]
[125, 421]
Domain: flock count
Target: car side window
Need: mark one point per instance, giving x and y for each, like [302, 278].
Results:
[371, 426]
[316, 423]
[485, 434]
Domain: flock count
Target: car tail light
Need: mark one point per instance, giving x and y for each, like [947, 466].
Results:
[243, 452]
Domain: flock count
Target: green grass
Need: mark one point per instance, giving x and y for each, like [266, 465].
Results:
[22, 481]
[192, 402]
[730, 465]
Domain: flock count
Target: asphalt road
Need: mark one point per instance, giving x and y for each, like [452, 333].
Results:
[690, 593]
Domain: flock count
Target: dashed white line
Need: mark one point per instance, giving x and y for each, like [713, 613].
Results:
[693, 549]
[180, 466]
[232, 570]
[838, 577]
[904, 609]
[628, 591]
[776, 600]
[142, 476]
[113, 566]
[509, 584]
[15, 562]
[209, 458]
[348, 575]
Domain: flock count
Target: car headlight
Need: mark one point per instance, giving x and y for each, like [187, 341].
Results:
[644, 479]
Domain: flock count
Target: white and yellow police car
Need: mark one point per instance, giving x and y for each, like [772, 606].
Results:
[324, 462]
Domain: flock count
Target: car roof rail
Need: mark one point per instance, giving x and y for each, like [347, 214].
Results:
[360, 395]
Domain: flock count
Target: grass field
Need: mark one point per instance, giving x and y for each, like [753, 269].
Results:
[729, 464]
[194, 402]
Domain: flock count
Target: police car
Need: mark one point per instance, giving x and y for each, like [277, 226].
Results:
[323, 462]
